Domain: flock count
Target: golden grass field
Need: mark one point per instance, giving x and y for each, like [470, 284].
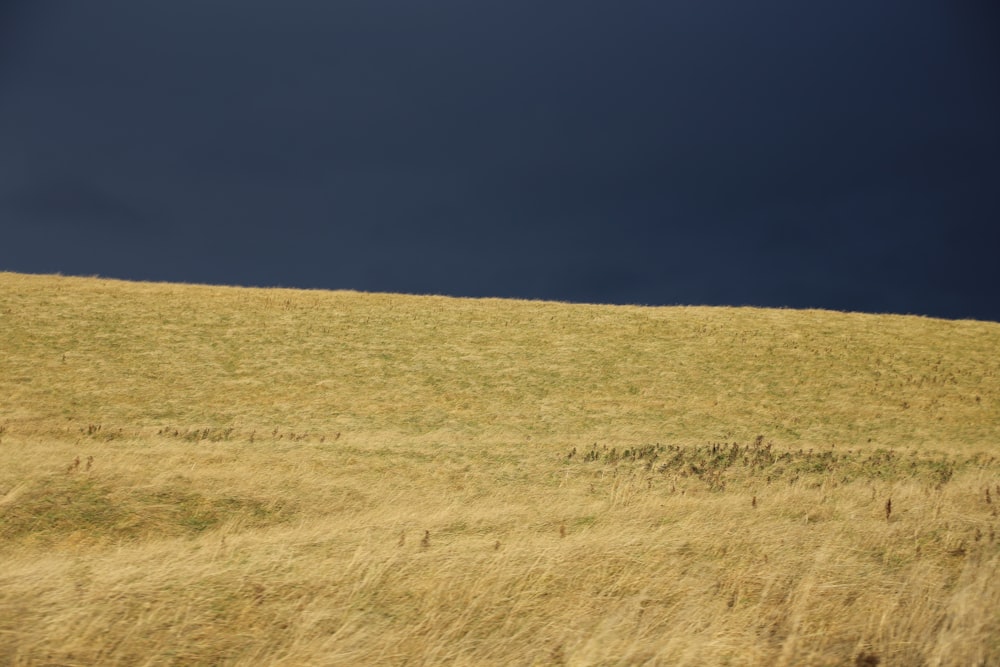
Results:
[225, 476]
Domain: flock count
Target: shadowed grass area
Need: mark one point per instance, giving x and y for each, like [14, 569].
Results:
[55, 509]
[198, 475]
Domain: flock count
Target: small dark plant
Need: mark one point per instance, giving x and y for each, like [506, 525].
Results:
[866, 659]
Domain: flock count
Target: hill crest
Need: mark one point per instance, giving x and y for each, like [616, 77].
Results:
[157, 355]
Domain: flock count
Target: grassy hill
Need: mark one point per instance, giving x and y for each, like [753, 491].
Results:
[208, 475]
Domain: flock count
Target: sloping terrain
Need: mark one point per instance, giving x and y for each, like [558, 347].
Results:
[207, 475]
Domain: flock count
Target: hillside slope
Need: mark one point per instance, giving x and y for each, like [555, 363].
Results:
[130, 355]
[208, 475]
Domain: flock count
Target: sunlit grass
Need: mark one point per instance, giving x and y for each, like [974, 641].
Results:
[197, 475]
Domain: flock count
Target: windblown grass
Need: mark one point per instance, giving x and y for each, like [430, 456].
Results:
[198, 475]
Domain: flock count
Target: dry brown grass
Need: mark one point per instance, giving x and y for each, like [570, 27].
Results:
[195, 475]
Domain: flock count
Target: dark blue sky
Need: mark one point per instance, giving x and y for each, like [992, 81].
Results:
[824, 154]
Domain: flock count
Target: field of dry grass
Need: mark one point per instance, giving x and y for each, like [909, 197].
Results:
[219, 476]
